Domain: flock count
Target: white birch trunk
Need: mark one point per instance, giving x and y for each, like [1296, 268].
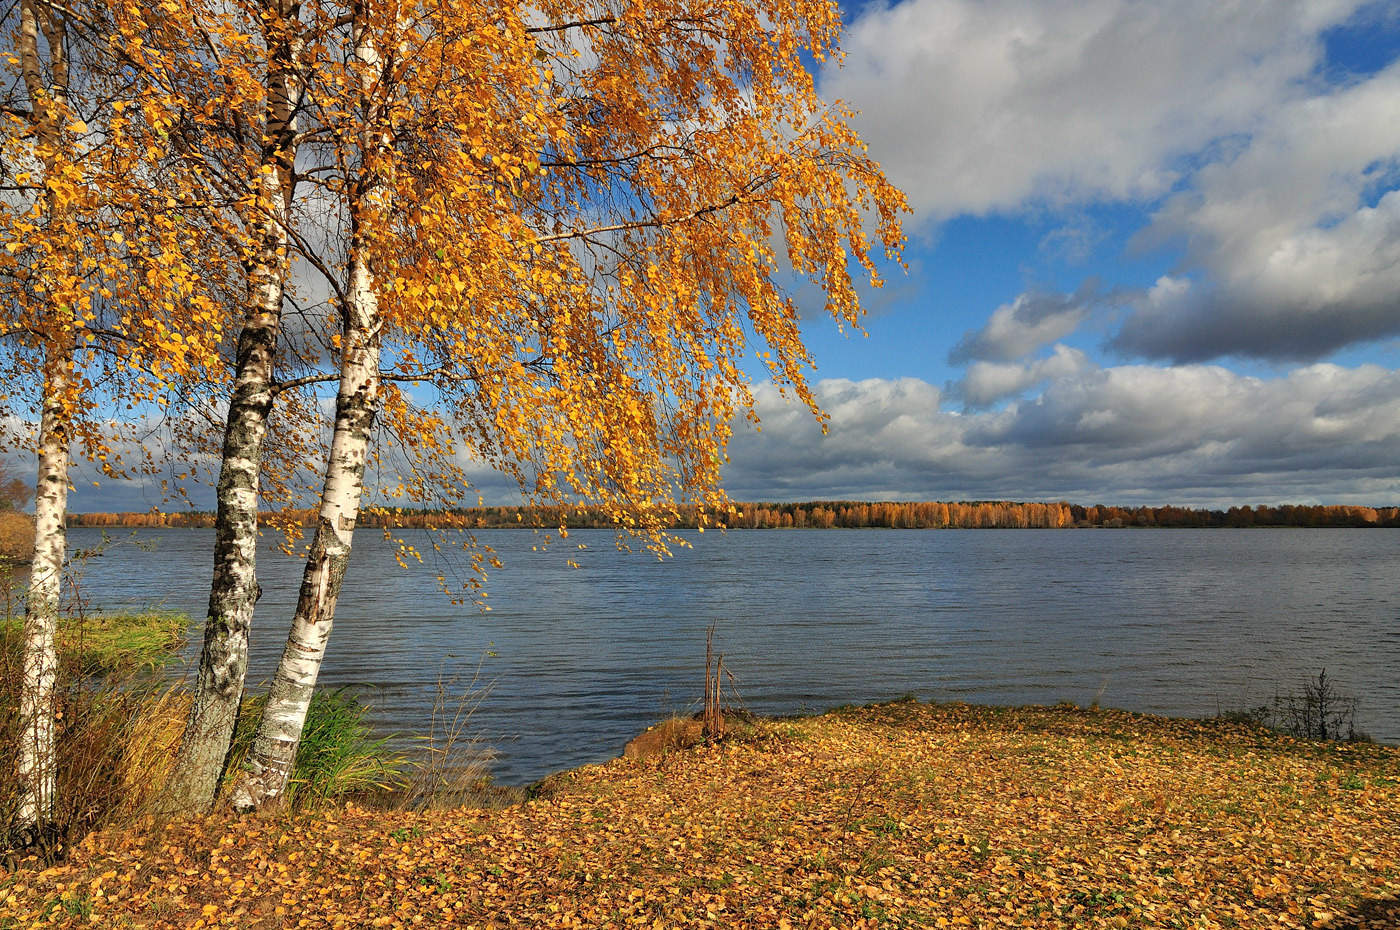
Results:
[223, 662]
[234, 591]
[269, 763]
[274, 749]
[36, 768]
[36, 765]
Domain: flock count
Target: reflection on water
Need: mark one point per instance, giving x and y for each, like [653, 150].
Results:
[578, 660]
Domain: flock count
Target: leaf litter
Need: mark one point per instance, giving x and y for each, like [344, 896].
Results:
[896, 815]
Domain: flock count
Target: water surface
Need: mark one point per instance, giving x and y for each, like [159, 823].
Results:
[1183, 622]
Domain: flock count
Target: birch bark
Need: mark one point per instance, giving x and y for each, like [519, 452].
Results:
[35, 766]
[269, 763]
[37, 712]
[279, 733]
[234, 591]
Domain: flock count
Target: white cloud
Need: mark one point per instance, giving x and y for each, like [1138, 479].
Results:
[1195, 435]
[1290, 256]
[988, 382]
[976, 106]
[1019, 328]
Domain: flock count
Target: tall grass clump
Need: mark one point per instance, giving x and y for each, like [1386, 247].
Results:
[120, 720]
[451, 766]
[115, 743]
[117, 724]
[338, 756]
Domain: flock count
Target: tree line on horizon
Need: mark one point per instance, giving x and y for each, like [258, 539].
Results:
[822, 515]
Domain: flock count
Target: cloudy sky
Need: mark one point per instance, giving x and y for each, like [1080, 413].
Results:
[1155, 258]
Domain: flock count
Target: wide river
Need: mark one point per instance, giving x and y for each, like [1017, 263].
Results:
[572, 662]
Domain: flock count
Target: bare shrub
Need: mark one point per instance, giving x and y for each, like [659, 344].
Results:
[1319, 711]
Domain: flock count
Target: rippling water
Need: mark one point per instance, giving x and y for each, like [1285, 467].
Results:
[577, 661]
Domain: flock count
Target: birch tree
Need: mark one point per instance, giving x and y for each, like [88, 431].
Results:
[588, 207]
[266, 77]
[370, 131]
[98, 299]
[43, 34]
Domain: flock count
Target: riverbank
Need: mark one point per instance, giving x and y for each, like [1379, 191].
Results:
[897, 815]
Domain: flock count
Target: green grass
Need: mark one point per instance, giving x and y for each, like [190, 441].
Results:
[100, 644]
[337, 755]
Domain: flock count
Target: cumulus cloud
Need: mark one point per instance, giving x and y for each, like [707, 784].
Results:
[1194, 435]
[1029, 322]
[989, 382]
[1293, 245]
[977, 106]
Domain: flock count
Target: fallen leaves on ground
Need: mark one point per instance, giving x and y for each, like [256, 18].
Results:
[897, 815]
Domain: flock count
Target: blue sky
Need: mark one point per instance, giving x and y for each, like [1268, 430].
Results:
[1155, 258]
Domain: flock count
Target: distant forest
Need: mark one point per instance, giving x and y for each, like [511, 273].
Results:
[833, 514]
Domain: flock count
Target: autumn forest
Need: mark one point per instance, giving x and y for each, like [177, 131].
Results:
[825, 515]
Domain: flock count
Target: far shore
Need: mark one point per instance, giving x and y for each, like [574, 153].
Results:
[822, 515]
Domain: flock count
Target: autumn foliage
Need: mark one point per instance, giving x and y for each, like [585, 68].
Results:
[901, 815]
[543, 237]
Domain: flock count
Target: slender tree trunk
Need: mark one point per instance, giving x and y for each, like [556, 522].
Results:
[274, 749]
[36, 769]
[270, 762]
[223, 663]
[36, 763]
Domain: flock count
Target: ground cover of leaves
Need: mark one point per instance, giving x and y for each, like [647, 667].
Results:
[898, 815]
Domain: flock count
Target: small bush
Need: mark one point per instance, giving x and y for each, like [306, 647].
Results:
[1318, 711]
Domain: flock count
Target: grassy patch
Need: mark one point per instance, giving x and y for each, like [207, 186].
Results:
[124, 641]
[102, 644]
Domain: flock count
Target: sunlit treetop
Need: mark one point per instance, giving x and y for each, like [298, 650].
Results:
[589, 212]
[584, 216]
[110, 260]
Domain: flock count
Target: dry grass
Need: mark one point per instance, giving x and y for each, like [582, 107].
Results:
[670, 735]
[145, 763]
[115, 747]
[16, 536]
[119, 727]
[116, 725]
